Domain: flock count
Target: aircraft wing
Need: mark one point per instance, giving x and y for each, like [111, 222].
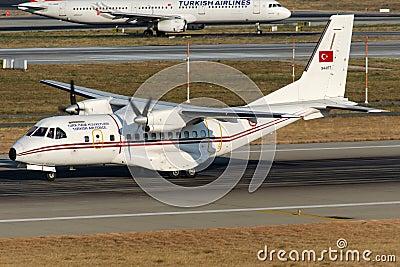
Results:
[140, 16]
[117, 100]
[229, 113]
[189, 112]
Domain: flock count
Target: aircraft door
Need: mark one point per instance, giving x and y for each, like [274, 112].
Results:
[214, 132]
[98, 139]
[201, 10]
[256, 6]
[134, 8]
[62, 8]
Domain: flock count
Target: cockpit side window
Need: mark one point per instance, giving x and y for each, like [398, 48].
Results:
[60, 134]
[40, 132]
[31, 131]
[50, 133]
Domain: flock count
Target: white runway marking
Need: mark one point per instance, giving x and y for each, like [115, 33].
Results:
[336, 148]
[198, 212]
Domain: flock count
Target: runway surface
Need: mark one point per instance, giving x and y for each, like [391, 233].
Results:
[338, 181]
[178, 53]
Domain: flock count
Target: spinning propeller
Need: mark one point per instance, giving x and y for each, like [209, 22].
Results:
[73, 109]
[141, 117]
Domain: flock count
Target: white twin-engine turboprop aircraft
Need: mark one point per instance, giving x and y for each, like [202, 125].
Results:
[160, 15]
[176, 138]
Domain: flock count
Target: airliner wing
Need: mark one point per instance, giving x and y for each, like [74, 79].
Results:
[140, 16]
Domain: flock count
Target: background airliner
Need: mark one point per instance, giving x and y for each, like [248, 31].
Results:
[163, 16]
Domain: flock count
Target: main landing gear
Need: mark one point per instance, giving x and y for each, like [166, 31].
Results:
[177, 174]
[148, 33]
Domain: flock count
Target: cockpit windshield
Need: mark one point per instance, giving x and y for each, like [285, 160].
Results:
[40, 132]
[52, 133]
[274, 5]
[31, 131]
[60, 134]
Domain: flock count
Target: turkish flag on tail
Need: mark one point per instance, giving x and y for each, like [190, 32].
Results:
[325, 56]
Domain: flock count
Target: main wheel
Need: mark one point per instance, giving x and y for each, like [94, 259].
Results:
[148, 33]
[190, 173]
[160, 34]
[50, 176]
[174, 174]
[259, 32]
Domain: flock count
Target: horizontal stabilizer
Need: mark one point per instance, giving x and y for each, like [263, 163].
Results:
[344, 104]
[356, 108]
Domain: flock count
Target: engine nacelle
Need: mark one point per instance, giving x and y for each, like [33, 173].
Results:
[91, 106]
[171, 25]
[195, 26]
[165, 120]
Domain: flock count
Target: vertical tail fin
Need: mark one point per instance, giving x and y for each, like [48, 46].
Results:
[326, 72]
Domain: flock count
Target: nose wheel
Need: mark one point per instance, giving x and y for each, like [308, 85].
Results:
[258, 30]
[50, 176]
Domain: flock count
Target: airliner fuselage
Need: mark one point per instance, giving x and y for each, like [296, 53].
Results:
[163, 16]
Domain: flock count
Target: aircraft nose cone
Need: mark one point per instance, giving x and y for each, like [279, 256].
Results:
[12, 154]
[286, 13]
[14, 150]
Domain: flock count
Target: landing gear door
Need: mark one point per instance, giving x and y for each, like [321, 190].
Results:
[62, 8]
[256, 6]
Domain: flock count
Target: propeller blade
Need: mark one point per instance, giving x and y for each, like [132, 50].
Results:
[72, 96]
[134, 108]
[146, 108]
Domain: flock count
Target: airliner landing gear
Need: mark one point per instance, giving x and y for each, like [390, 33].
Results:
[160, 34]
[258, 31]
[148, 33]
[50, 176]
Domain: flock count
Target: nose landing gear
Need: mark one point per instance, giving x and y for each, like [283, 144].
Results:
[258, 30]
[50, 176]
